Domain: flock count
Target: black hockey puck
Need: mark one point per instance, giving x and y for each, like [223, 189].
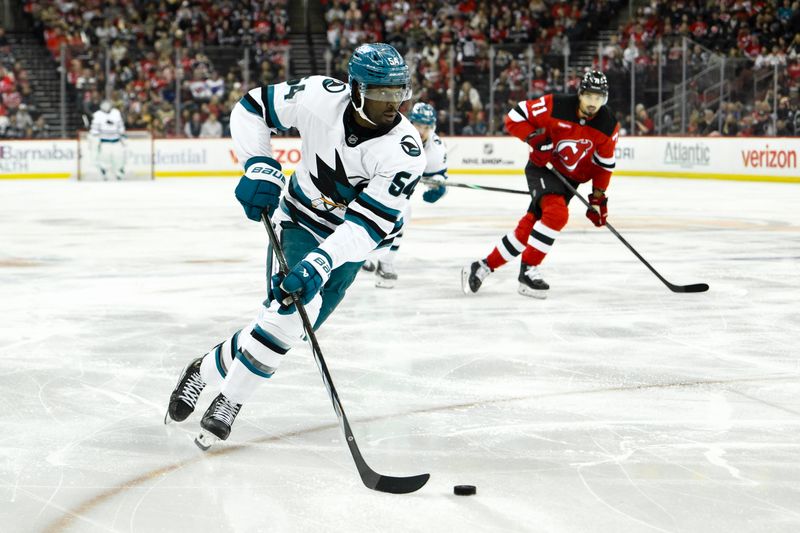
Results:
[464, 490]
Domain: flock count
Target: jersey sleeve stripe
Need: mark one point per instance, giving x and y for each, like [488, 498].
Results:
[605, 162]
[382, 222]
[250, 104]
[267, 97]
[375, 232]
[442, 172]
[265, 94]
[517, 113]
[304, 220]
[374, 206]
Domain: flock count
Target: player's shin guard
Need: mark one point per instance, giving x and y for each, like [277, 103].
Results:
[261, 347]
[541, 241]
[512, 244]
[218, 361]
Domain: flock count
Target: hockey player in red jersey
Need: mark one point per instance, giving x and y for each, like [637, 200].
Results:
[577, 135]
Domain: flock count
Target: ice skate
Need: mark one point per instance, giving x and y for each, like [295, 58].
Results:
[368, 266]
[531, 282]
[184, 397]
[385, 275]
[472, 276]
[217, 421]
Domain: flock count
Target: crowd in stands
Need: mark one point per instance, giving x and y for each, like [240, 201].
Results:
[147, 57]
[18, 119]
[464, 55]
[758, 41]
[429, 33]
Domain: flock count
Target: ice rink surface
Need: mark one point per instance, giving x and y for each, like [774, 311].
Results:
[612, 406]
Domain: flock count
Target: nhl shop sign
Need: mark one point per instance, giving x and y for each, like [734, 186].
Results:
[687, 155]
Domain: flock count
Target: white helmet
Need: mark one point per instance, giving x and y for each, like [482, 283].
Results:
[105, 106]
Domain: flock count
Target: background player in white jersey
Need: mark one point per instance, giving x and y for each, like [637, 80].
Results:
[108, 132]
[361, 160]
[423, 117]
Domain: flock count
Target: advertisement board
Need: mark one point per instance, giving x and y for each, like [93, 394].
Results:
[41, 159]
[739, 158]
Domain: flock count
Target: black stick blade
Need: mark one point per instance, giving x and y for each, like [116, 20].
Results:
[400, 485]
[697, 287]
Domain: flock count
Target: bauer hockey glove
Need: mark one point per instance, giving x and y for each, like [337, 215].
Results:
[541, 149]
[259, 190]
[598, 213]
[436, 188]
[304, 280]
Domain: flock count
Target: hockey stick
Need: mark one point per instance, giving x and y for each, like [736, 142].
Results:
[697, 287]
[476, 187]
[372, 480]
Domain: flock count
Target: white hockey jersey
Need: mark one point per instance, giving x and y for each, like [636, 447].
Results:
[352, 183]
[109, 127]
[436, 156]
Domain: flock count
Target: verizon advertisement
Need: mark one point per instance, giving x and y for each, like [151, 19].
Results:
[759, 159]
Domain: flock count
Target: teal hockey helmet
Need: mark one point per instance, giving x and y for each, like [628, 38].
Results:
[374, 67]
[378, 64]
[424, 114]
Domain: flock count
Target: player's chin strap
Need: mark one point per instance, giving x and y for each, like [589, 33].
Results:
[362, 88]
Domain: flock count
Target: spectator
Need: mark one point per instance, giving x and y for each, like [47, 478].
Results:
[470, 96]
[24, 118]
[5, 122]
[477, 124]
[193, 128]
[730, 128]
[13, 131]
[216, 86]
[5, 45]
[644, 124]
[212, 128]
[708, 123]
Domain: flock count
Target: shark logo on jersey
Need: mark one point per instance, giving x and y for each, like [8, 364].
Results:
[334, 184]
[571, 151]
[410, 146]
[334, 86]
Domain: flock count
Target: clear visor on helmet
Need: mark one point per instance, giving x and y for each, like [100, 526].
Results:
[423, 129]
[395, 93]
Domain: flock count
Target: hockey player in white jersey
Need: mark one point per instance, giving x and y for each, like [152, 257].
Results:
[423, 117]
[361, 160]
[108, 132]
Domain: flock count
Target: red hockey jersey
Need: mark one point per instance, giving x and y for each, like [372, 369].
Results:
[583, 150]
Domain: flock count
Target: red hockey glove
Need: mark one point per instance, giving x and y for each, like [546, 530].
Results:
[598, 213]
[542, 148]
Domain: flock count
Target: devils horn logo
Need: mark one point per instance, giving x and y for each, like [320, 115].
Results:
[572, 151]
[410, 146]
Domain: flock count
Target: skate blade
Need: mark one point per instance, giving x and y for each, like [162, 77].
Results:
[167, 418]
[384, 283]
[205, 440]
[465, 281]
[532, 293]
